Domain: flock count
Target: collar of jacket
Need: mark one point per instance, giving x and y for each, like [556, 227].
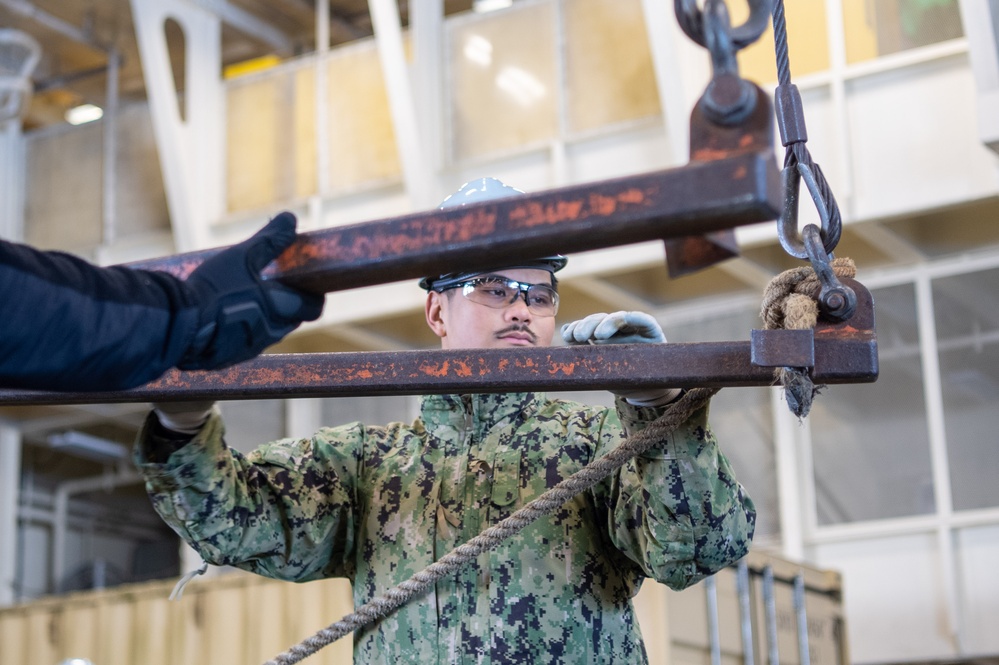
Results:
[487, 409]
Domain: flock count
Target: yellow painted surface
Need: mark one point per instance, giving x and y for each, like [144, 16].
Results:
[250, 66]
[254, 122]
[807, 39]
[270, 138]
[237, 619]
[304, 136]
[608, 64]
[362, 139]
[859, 28]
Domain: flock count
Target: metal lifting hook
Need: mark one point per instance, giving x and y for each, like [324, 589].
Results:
[691, 19]
[836, 301]
[728, 99]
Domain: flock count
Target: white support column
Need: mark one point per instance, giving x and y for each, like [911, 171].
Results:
[837, 92]
[12, 171]
[322, 106]
[109, 127]
[981, 27]
[191, 145]
[679, 64]
[303, 417]
[416, 168]
[942, 493]
[792, 477]
[10, 485]
[426, 20]
[560, 171]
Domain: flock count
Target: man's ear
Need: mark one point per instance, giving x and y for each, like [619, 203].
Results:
[435, 313]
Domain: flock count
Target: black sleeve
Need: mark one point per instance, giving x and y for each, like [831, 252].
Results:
[66, 324]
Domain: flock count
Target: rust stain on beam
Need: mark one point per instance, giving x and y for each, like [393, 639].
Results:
[732, 180]
[843, 353]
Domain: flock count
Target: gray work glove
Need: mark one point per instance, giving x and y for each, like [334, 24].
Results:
[183, 417]
[623, 328]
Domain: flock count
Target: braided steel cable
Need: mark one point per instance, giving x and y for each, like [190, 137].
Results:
[796, 150]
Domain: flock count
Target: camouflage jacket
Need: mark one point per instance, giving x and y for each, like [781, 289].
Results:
[378, 504]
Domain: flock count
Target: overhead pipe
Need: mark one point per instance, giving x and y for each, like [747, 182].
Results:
[109, 163]
[64, 28]
[61, 512]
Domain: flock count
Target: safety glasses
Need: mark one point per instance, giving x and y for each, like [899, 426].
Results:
[499, 292]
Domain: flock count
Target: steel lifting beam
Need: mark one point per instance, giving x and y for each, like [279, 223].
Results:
[837, 353]
[731, 180]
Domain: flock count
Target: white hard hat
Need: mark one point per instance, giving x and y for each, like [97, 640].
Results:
[477, 191]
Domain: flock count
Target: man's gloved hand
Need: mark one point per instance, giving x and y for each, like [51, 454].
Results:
[623, 328]
[183, 417]
[241, 313]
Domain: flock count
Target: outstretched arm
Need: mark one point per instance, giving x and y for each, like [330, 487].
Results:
[70, 325]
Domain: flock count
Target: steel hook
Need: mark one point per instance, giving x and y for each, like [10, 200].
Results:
[691, 20]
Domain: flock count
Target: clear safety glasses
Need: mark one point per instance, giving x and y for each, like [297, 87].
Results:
[499, 292]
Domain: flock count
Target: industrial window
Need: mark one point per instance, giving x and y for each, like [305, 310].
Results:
[609, 72]
[870, 442]
[967, 325]
[545, 71]
[504, 86]
[881, 27]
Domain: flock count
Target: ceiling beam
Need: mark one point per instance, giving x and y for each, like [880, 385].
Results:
[366, 338]
[749, 272]
[249, 24]
[54, 23]
[614, 297]
[888, 242]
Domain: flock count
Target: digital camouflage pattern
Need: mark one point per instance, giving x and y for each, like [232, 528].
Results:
[378, 504]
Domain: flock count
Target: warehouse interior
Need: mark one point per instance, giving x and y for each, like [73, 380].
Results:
[202, 119]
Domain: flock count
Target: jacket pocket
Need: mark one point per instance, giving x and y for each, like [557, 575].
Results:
[506, 477]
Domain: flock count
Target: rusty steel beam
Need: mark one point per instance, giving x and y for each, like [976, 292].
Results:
[731, 180]
[840, 353]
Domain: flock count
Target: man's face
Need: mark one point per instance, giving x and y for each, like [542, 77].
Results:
[463, 324]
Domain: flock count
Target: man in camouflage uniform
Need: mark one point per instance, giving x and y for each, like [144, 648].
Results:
[377, 504]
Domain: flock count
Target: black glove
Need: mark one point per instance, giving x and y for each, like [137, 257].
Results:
[241, 313]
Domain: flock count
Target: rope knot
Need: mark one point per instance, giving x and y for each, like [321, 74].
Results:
[790, 302]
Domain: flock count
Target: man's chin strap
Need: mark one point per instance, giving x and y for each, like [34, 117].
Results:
[550, 501]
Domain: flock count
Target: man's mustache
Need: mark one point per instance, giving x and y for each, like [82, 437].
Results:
[520, 329]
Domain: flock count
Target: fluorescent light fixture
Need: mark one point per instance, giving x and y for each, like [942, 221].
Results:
[76, 661]
[88, 446]
[84, 113]
[521, 85]
[490, 5]
[479, 50]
